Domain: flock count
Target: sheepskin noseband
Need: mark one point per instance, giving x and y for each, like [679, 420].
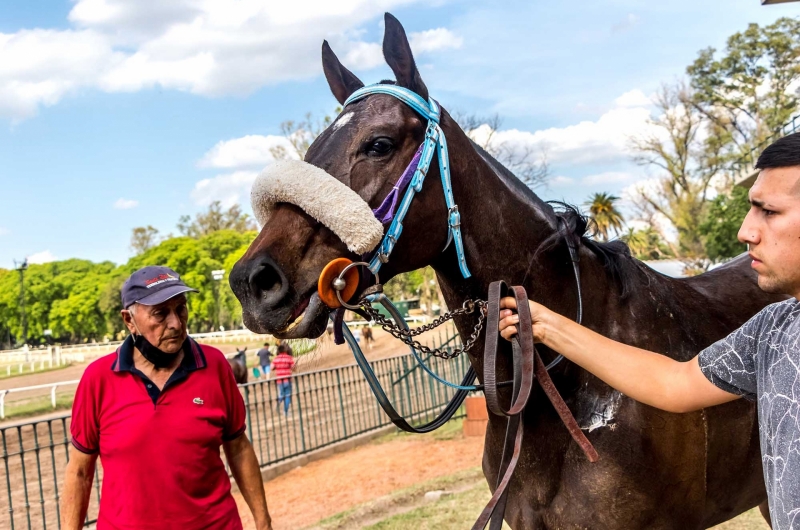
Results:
[322, 197]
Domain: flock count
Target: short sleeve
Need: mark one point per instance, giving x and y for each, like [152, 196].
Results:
[85, 424]
[731, 363]
[235, 410]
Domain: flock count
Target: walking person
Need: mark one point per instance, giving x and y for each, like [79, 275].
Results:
[282, 366]
[760, 361]
[264, 357]
[156, 412]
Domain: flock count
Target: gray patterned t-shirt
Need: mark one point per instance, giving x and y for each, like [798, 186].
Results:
[761, 361]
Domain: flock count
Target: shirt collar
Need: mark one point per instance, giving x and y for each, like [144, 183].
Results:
[193, 357]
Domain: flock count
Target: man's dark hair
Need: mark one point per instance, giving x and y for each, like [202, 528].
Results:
[285, 348]
[266, 344]
[784, 152]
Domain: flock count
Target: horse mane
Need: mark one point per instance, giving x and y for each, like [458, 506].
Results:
[579, 229]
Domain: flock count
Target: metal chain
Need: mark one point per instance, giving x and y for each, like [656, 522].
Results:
[407, 335]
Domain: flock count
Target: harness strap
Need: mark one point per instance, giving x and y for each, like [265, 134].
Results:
[434, 139]
[452, 407]
[527, 364]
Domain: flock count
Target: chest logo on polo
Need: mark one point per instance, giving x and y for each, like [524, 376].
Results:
[197, 401]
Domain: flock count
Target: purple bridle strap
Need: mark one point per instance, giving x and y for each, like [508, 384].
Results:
[385, 212]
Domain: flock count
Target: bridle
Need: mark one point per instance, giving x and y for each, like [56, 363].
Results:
[527, 364]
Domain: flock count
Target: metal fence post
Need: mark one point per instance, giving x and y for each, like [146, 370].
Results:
[300, 415]
[247, 410]
[341, 402]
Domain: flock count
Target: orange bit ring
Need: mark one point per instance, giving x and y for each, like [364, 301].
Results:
[325, 283]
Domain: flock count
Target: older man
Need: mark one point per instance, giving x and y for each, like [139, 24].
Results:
[156, 412]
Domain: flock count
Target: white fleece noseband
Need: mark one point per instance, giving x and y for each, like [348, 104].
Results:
[322, 197]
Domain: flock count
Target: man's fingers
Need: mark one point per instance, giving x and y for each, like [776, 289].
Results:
[508, 303]
[508, 332]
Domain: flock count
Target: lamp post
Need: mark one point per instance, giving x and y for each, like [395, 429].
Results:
[22, 267]
[217, 275]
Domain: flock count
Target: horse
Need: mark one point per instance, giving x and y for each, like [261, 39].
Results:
[369, 338]
[239, 366]
[657, 470]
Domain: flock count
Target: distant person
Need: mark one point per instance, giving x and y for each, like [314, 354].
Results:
[264, 357]
[156, 412]
[282, 366]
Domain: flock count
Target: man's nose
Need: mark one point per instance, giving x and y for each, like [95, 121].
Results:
[174, 320]
[748, 233]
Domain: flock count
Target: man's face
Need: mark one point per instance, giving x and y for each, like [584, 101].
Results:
[163, 325]
[771, 230]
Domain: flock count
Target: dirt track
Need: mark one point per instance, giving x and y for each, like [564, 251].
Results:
[326, 487]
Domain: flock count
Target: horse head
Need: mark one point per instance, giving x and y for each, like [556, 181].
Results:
[319, 213]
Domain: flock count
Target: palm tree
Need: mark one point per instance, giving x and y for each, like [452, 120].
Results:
[604, 213]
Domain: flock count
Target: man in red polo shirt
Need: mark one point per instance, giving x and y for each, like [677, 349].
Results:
[156, 412]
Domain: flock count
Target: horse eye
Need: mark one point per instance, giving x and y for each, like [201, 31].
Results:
[379, 147]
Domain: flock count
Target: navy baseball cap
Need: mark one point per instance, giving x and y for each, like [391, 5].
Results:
[152, 286]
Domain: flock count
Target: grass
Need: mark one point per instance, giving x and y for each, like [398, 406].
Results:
[38, 406]
[469, 493]
[5, 375]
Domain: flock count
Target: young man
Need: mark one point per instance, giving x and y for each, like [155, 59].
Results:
[156, 412]
[760, 360]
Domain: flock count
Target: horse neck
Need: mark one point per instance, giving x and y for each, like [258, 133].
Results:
[504, 224]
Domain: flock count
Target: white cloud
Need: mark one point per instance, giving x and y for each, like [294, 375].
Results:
[41, 257]
[433, 40]
[246, 152]
[229, 189]
[206, 47]
[560, 180]
[633, 98]
[609, 177]
[125, 204]
[586, 142]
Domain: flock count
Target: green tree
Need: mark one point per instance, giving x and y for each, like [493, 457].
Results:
[746, 91]
[215, 218]
[646, 244]
[721, 226]
[143, 238]
[688, 159]
[603, 211]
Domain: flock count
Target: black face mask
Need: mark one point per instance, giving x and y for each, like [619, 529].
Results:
[160, 359]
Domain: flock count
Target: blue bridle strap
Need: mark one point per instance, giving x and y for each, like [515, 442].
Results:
[434, 137]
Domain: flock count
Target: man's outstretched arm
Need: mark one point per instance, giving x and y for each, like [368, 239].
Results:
[645, 376]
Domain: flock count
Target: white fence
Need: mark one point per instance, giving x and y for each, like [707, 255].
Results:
[78, 353]
[51, 386]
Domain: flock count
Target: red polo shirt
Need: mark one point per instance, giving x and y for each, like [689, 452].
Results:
[160, 450]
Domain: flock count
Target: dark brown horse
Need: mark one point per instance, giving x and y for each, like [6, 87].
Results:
[239, 366]
[657, 470]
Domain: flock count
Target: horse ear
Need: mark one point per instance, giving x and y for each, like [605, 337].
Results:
[342, 81]
[397, 53]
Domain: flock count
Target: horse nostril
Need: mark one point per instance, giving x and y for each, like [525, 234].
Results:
[268, 282]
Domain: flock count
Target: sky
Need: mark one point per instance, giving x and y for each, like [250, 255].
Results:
[123, 113]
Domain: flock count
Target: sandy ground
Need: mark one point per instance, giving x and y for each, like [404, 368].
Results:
[326, 487]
